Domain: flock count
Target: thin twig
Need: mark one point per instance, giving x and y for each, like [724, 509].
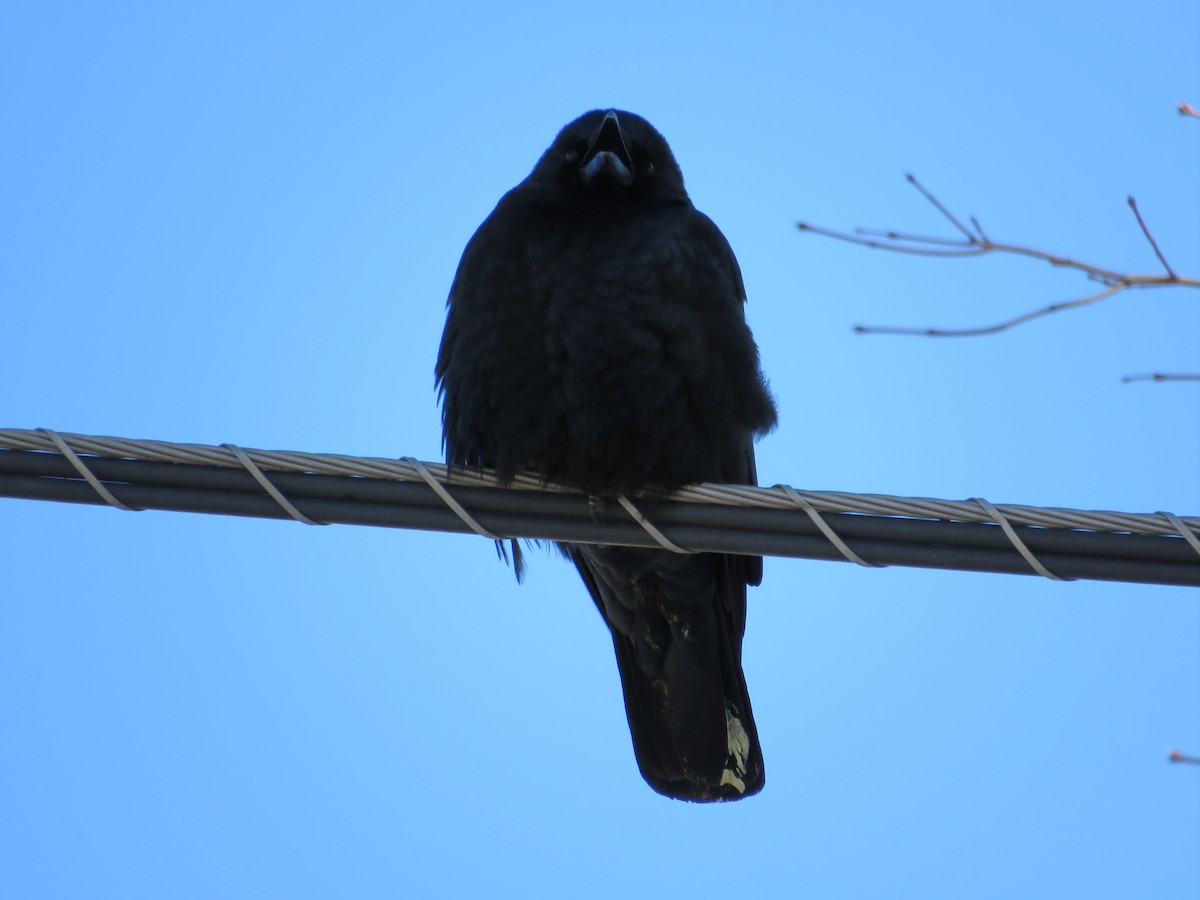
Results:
[999, 326]
[978, 243]
[880, 245]
[1153, 243]
[971, 236]
[1186, 109]
[1159, 376]
[1176, 756]
[922, 238]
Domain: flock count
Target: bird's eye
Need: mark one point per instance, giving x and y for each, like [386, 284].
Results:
[570, 156]
[647, 168]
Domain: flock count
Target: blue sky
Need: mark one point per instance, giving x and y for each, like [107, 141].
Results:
[239, 222]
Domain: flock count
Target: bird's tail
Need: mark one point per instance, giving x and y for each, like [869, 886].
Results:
[677, 624]
[692, 727]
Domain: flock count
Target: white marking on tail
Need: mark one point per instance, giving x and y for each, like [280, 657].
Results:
[739, 749]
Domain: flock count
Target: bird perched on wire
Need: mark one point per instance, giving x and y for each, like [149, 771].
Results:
[596, 335]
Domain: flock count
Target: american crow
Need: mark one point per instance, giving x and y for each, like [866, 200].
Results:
[595, 335]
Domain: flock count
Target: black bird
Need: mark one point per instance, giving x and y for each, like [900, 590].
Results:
[596, 335]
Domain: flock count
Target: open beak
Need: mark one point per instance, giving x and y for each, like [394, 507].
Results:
[607, 155]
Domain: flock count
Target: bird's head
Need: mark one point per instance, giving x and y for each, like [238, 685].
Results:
[614, 154]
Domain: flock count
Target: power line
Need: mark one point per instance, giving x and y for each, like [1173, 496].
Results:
[967, 535]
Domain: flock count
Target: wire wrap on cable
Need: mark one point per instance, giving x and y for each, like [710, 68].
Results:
[1181, 527]
[1011, 534]
[823, 526]
[262, 479]
[427, 476]
[65, 449]
[648, 526]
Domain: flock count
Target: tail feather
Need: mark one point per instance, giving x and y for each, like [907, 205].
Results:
[677, 625]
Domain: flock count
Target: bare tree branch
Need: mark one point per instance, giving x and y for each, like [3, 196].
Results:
[1159, 376]
[976, 242]
[912, 179]
[991, 329]
[1146, 231]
